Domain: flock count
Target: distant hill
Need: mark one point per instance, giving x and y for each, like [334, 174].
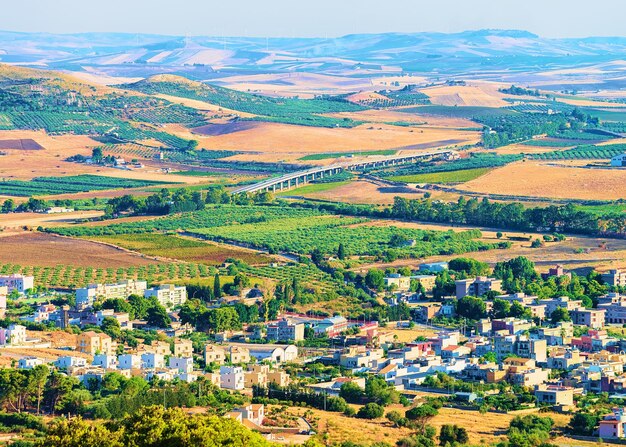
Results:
[146, 54]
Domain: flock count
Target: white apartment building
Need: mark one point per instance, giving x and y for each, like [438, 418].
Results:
[168, 295]
[17, 282]
[14, 335]
[86, 296]
[232, 377]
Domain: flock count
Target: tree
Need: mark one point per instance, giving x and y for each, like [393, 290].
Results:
[351, 392]
[96, 154]
[471, 307]
[217, 287]
[451, 434]
[139, 306]
[223, 319]
[421, 415]
[560, 314]
[76, 432]
[192, 145]
[371, 411]
[583, 424]
[111, 327]
[158, 317]
[501, 308]
[379, 391]
[375, 279]
[470, 266]
[8, 206]
[341, 252]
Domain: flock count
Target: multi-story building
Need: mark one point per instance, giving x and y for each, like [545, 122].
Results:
[93, 343]
[150, 360]
[614, 425]
[593, 318]
[256, 375]
[614, 313]
[615, 278]
[239, 354]
[427, 281]
[285, 330]
[396, 281]
[477, 286]
[511, 325]
[182, 364]
[232, 377]
[129, 361]
[168, 295]
[564, 358]
[29, 362]
[86, 296]
[331, 326]
[18, 282]
[183, 347]
[214, 354]
[554, 395]
[565, 302]
[4, 291]
[14, 335]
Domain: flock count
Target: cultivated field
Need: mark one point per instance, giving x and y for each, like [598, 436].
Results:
[359, 191]
[272, 142]
[485, 95]
[47, 250]
[543, 179]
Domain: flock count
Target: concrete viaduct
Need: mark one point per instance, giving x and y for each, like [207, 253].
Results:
[298, 178]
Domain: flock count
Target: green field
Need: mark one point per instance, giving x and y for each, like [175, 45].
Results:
[325, 156]
[325, 233]
[442, 177]
[213, 216]
[313, 188]
[182, 249]
[468, 112]
[40, 186]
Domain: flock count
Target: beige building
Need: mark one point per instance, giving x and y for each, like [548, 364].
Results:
[93, 343]
[239, 354]
[398, 282]
[477, 286]
[554, 395]
[183, 348]
[214, 354]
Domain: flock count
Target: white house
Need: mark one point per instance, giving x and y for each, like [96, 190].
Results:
[129, 361]
[105, 361]
[68, 361]
[15, 335]
[29, 362]
[17, 282]
[168, 295]
[232, 377]
[182, 364]
[150, 360]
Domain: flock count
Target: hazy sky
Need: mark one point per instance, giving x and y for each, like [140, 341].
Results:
[322, 18]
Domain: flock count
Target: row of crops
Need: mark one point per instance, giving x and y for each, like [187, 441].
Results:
[285, 110]
[325, 233]
[135, 150]
[587, 152]
[305, 274]
[215, 216]
[39, 186]
[76, 276]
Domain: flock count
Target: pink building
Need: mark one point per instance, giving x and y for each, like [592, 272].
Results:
[612, 426]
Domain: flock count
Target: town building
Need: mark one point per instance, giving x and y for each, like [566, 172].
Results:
[619, 161]
[238, 354]
[477, 286]
[14, 335]
[613, 425]
[168, 295]
[615, 278]
[285, 330]
[331, 326]
[593, 318]
[434, 267]
[29, 362]
[232, 378]
[396, 281]
[214, 354]
[86, 296]
[18, 282]
[92, 343]
[183, 347]
[554, 395]
[4, 291]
